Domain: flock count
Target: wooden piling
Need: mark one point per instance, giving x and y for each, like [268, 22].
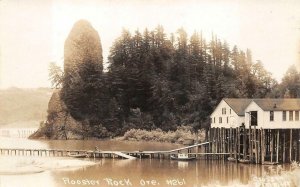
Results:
[224, 139]
[218, 141]
[250, 143]
[255, 146]
[298, 145]
[230, 142]
[214, 140]
[262, 146]
[238, 143]
[272, 145]
[277, 146]
[291, 144]
[283, 152]
[244, 143]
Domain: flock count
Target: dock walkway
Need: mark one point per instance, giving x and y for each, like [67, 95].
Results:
[101, 153]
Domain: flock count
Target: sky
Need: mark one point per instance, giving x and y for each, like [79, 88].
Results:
[32, 32]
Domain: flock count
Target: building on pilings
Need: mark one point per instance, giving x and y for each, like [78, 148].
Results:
[263, 131]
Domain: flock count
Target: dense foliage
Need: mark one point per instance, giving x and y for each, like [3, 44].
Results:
[182, 133]
[290, 85]
[155, 81]
[179, 80]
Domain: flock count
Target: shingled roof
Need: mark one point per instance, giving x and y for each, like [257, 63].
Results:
[238, 105]
[278, 104]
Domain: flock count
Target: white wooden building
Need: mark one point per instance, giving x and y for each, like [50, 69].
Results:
[273, 113]
[262, 113]
[229, 113]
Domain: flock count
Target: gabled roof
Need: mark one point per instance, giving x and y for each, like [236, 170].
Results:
[238, 105]
[278, 104]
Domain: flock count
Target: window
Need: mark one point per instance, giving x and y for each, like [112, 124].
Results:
[220, 119]
[253, 118]
[223, 110]
[291, 117]
[227, 120]
[283, 115]
[296, 115]
[271, 115]
[229, 111]
[214, 120]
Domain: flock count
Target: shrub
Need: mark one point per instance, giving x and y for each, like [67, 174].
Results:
[178, 136]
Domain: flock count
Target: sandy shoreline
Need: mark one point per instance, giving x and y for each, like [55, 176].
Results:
[29, 165]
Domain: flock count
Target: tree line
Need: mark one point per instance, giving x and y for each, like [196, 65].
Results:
[155, 80]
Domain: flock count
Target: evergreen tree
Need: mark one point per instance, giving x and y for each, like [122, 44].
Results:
[82, 70]
[56, 75]
[290, 86]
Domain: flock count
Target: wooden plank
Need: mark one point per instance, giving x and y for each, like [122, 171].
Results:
[187, 147]
[209, 153]
[124, 155]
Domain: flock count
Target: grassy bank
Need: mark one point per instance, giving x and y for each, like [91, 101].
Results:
[182, 133]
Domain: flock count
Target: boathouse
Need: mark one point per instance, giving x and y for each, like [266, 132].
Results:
[230, 113]
[273, 113]
[262, 113]
[265, 131]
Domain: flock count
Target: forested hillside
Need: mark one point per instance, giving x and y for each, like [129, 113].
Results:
[159, 80]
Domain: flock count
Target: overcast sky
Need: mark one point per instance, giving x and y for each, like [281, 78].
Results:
[32, 32]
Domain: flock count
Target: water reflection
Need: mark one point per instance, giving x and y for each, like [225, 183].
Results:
[183, 165]
[162, 171]
[195, 173]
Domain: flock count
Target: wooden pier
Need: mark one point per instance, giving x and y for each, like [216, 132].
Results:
[111, 154]
[260, 146]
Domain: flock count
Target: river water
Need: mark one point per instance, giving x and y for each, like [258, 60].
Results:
[121, 172]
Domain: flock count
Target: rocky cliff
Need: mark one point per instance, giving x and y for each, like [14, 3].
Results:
[60, 124]
[82, 57]
[83, 45]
